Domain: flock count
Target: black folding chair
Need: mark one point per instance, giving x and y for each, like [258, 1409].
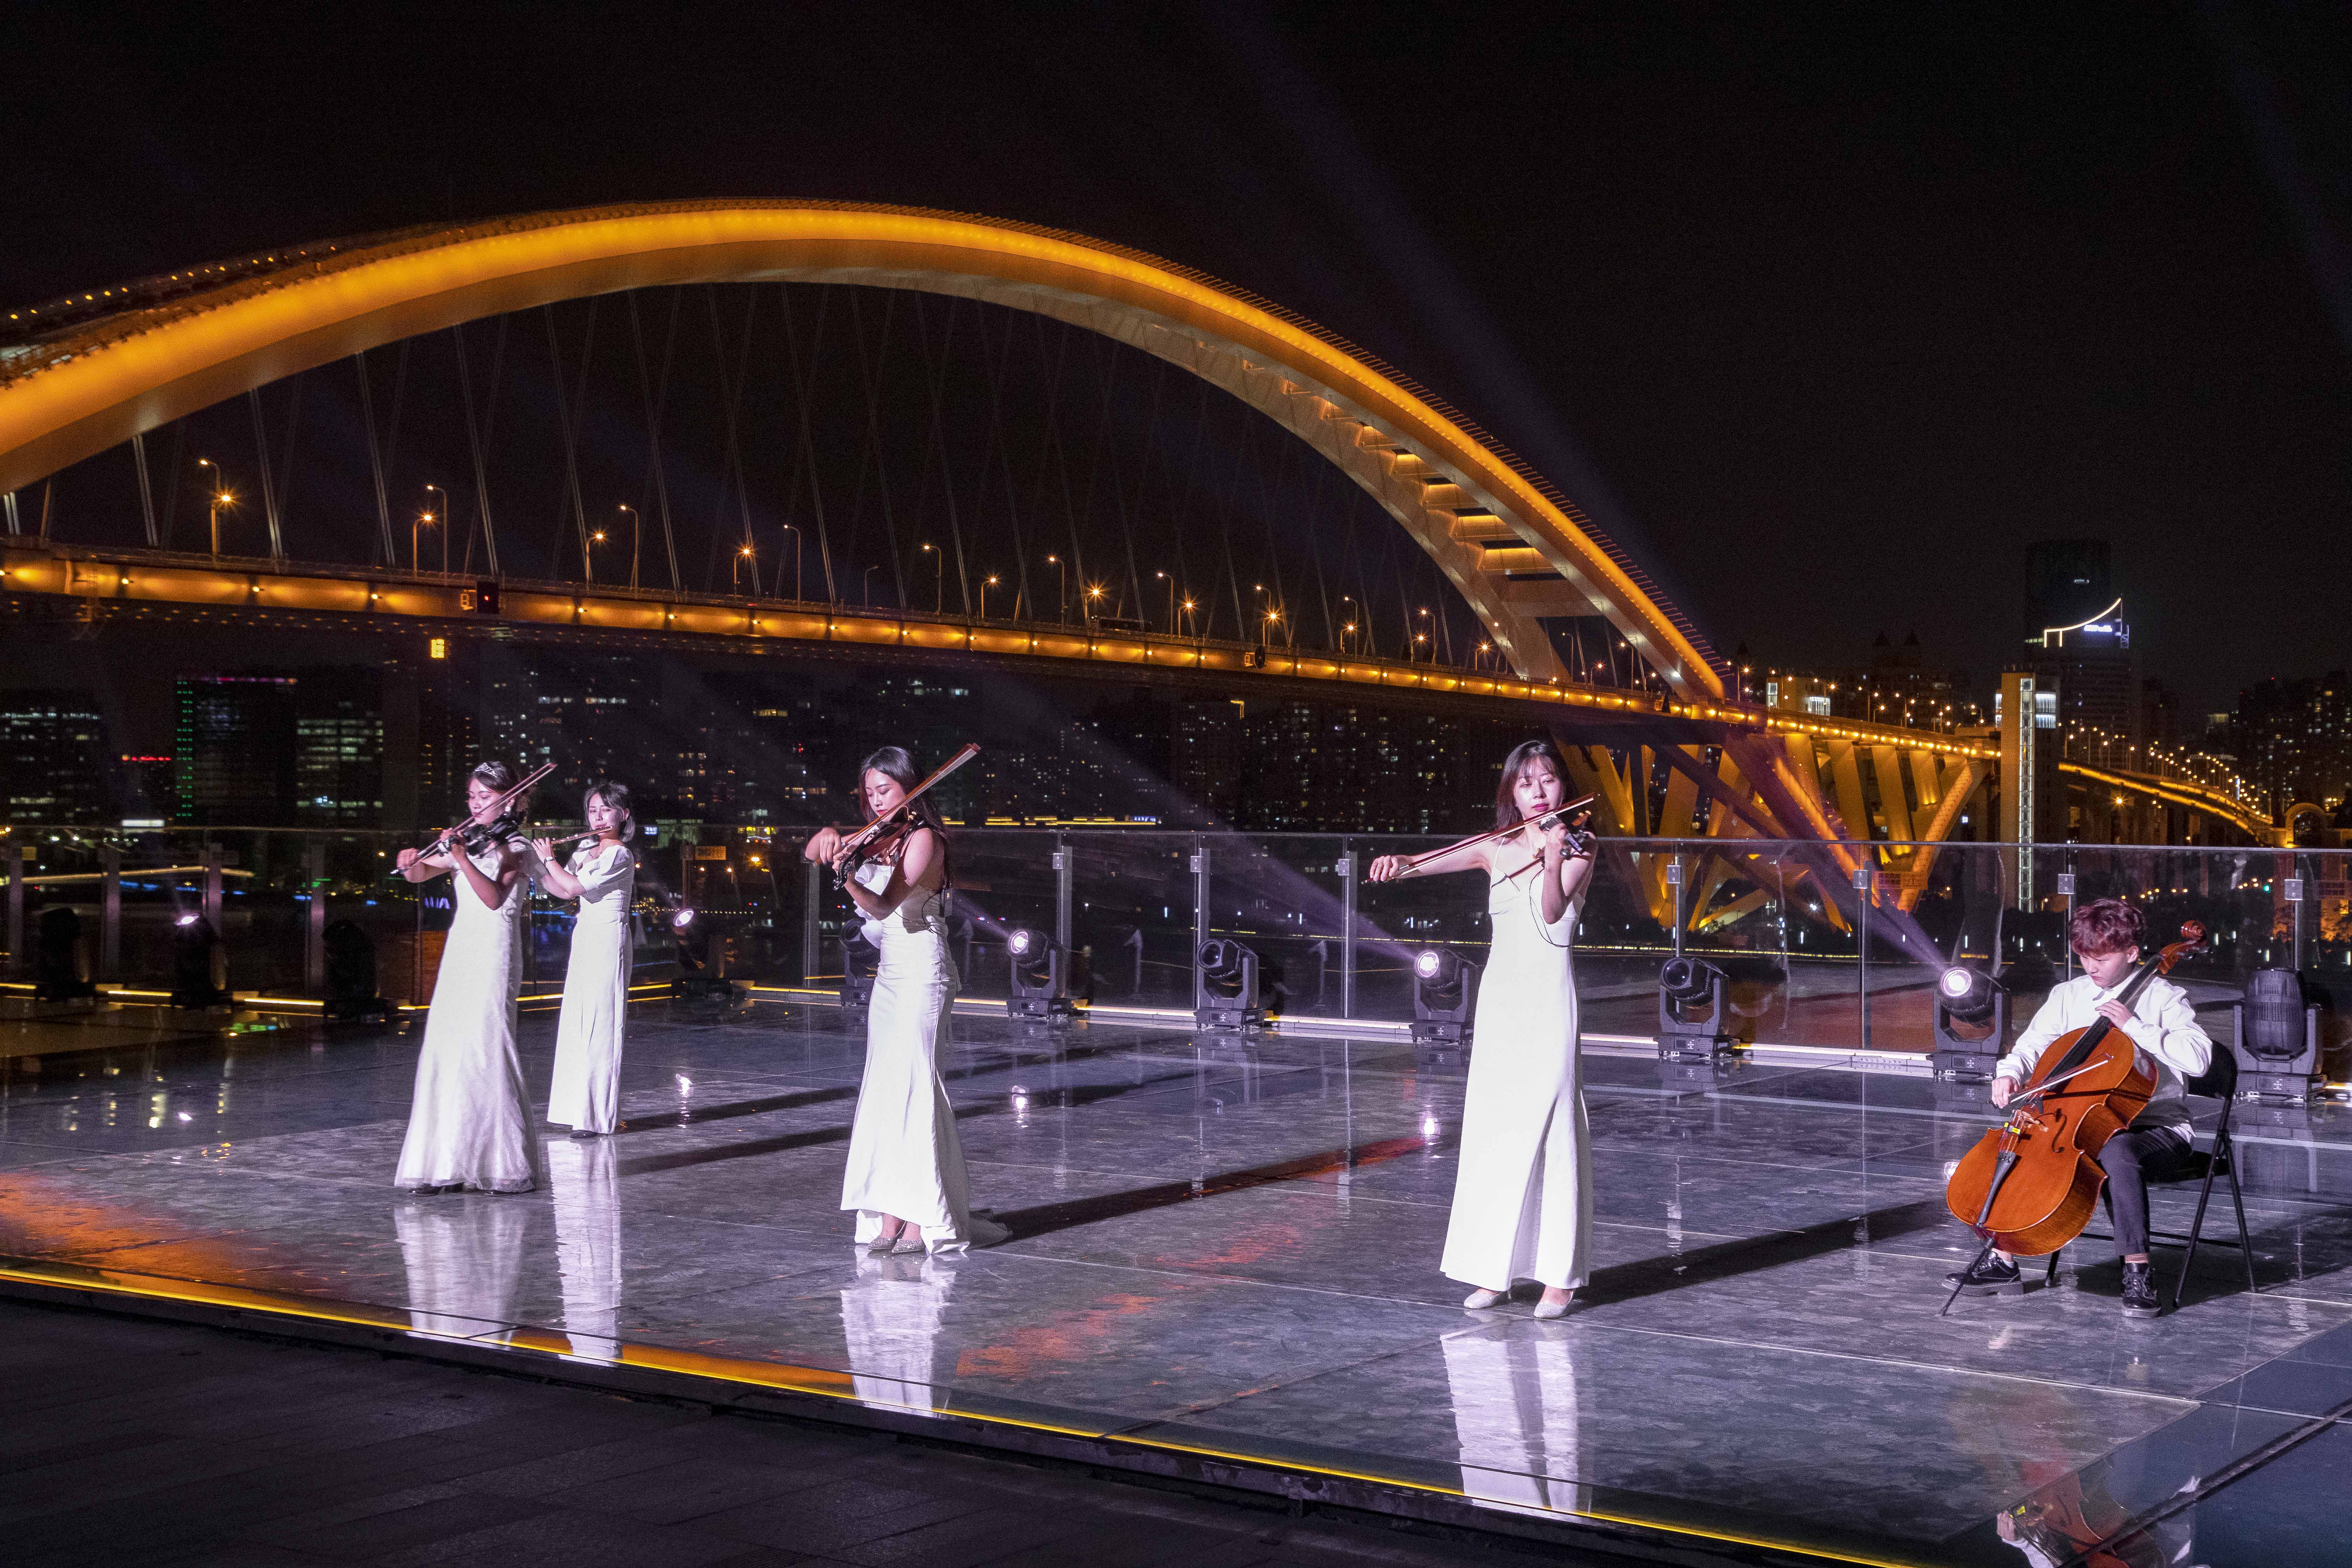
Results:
[2219, 1081]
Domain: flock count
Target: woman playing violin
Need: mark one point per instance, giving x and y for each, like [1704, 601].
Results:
[1523, 1195]
[906, 1176]
[2107, 935]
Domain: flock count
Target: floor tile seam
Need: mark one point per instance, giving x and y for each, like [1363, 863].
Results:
[1949, 1370]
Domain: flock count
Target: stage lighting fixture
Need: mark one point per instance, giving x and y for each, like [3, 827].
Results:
[2274, 1035]
[1225, 996]
[701, 960]
[859, 959]
[1445, 993]
[195, 954]
[350, 972]
[1971, 996]
[1684, 983]
[56, 957]
[1040, 982]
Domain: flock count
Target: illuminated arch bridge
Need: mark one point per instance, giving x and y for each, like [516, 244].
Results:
[84, 374]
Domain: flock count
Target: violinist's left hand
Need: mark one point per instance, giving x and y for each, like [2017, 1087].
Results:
[1555, 839]
[2115, 1013]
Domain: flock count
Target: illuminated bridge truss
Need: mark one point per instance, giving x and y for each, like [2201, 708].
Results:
[81, 376]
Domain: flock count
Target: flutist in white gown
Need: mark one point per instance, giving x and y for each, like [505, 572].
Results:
[470, 1125]
[1523, 1197]
[906, 1176]
[585, 1092]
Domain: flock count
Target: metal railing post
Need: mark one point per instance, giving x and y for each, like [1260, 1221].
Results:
[812, 904]
[1200, 915]
[1347, 930]
[110, 915]
[1065, 869]
[314, 921]
[212, 864]
[1862, 944]
[1675, 881]
[17, 908]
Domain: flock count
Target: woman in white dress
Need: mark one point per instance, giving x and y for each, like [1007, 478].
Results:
[1523, 1193]
[906, 1176]
[470, 1125]
[585, 1093]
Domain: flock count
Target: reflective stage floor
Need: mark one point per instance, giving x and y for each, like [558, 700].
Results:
[1224, 1255]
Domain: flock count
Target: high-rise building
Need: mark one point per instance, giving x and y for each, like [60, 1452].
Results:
[142, 786]
[53, 757]
[2067, 582]
[339, 760]
[2077, 639]
[2293, 740]
[232, 750]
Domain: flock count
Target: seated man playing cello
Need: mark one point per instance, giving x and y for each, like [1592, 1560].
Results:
[2107, 935]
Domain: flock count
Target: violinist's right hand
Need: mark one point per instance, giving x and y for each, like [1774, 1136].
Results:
[407, 858]
[1385, 869]
[2003, 1088]
[822, 847]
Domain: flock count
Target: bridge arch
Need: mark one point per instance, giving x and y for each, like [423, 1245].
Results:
[127, 359]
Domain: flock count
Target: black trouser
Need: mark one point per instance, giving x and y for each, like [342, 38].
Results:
[2132, 1159]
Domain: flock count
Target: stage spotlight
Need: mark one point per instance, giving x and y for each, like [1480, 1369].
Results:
[701, 960]
[1967, 994]
[1445, 992]
[1684, 983]
[1040, 988]
[1225, 995]
[196, 959]
[2275, 1037]
[350, 972]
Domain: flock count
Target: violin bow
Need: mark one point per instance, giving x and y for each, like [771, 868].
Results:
[970, 750]
[1417, 861]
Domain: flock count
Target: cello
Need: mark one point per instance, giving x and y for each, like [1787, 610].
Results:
[2029, 1186]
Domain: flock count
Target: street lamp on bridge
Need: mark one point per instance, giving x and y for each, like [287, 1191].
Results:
[985, 584]
[443, 518]
[637, 531]
[742, 553]
[216, 495]
[423, 519]
[938, 579]
[795, 533]
[1062, 589]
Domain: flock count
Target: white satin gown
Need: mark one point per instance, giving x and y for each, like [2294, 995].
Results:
[1523, 1197]
[585, 1092]
[904, 1156]
[469, 1124]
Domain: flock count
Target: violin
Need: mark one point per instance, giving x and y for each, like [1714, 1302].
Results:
[2029, 1186]
[1573, 811]
[474, 837]
[883, 841]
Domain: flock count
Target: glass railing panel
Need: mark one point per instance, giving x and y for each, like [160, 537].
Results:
[1131, 915]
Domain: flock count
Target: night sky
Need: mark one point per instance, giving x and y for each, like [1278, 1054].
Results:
[1826, 317]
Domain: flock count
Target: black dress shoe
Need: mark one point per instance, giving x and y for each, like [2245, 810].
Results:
[1993, 1277]
[2140, 1292]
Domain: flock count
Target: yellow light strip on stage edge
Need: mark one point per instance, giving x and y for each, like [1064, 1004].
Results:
[818, 1381]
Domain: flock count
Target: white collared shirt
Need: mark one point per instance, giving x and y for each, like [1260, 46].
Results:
[2172, 1043]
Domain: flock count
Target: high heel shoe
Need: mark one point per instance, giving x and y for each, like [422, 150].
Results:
[910, 1240]
[886, 1241]
[1478, 1301]
[1554, 1309]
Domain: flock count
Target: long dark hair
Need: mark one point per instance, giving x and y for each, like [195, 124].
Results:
[1506, 802]
[893, 762]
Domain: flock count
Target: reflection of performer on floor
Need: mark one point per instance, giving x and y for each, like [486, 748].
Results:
[470, 1125]
[906, 1175]
[585, 1092]
[2107, 935]
[1523, 1198]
